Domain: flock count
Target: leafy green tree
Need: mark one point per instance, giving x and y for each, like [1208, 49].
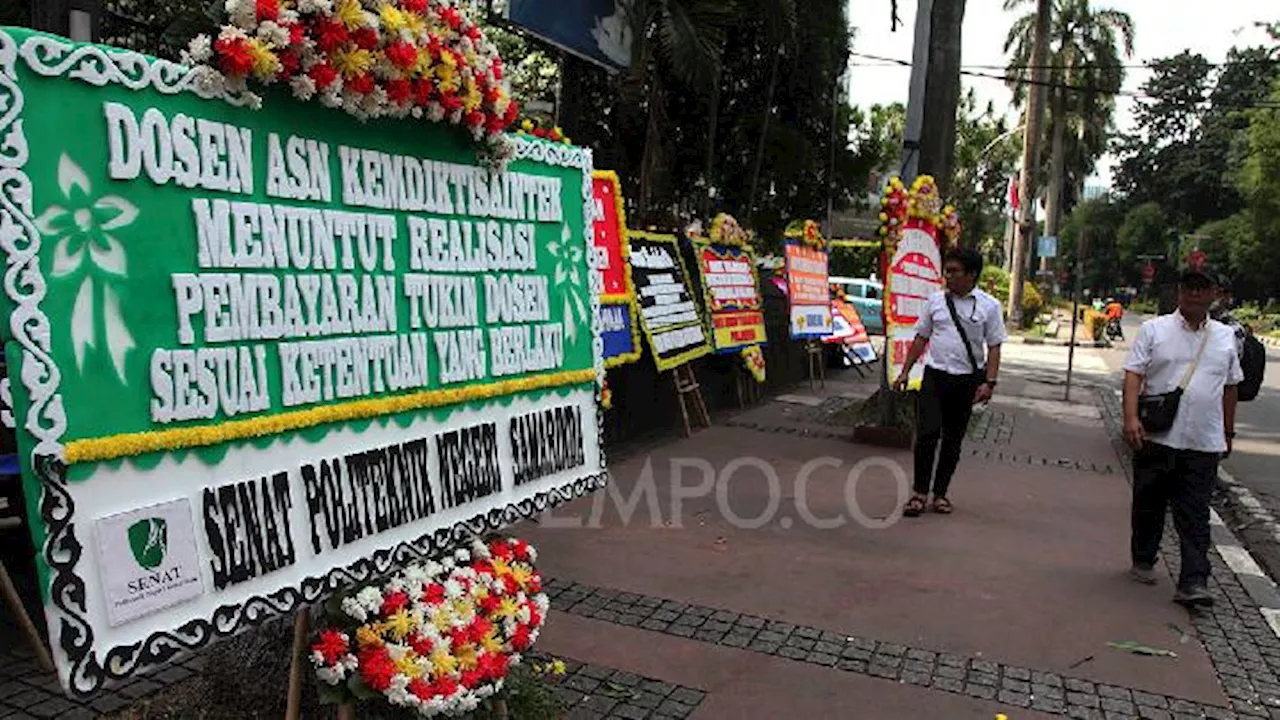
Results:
[1257, 258]
[1099, 221]
[1145, 231]
[987, 155]
[1085, 72]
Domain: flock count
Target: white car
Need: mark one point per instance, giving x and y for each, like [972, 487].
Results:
[867, 295]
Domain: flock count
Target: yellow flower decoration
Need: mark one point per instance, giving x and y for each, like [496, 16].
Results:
[508, 608]
[400, 625]
[472, 98]
[501, 567]
[349, 13]
[468, 657]
[557, 666]
[409, 665]
[393, 19]
[265, 62]
[442, 663]
[442, 619]
[369, 636]
[522, 575]
[354, 62]
[490, 642]
[448, 77]
[414, 23]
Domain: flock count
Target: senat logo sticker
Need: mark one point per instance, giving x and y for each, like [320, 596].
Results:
[149, 540]
[148, 560]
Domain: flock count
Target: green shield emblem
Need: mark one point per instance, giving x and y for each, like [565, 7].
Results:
[149, 539]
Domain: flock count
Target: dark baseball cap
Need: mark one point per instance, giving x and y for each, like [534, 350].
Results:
[1204, 276]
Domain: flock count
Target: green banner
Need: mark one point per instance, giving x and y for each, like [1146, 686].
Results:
[273, 344]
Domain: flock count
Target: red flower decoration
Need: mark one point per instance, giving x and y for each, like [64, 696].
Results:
[475, 119]
[540, 132]
[289, 64]
[493, 665]
[376, 668]
[421, 644]
[323, 75]
[365, 38]
[433, 593]
[233, 56]
[268, 10]
[296, 33]
[521, 549]
[472, 678]
[394, 602]
[521, 640]
[494, 124]
[402, 54]
[513, 112]
[421, 689]
[423, 89]
[417, 6]
[445, 686]
[332, 646]
[452, 17]
[451, 101]
[362, 84]
[497, 69]
[399, 91]
[330, 35]
[489, 604]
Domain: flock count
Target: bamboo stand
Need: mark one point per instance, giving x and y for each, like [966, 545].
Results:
[294, 711]
[687, 384]
[816, 357]
[14, 602]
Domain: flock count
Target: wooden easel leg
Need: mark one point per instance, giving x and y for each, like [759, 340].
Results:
[347, 711]
[14, 602]
[684, 410]
[294, 711]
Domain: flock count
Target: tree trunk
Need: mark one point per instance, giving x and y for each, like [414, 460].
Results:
[1030, 162]
[711, 142]
[764, 133]
[1057, 170]
[652, 144]
[942, 93]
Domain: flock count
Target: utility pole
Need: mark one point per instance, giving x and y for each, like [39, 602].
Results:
[915, 97]
[1025, 233]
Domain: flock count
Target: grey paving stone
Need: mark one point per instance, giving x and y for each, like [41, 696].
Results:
[985, 666]
[1048, 704]
[851, 665]
[1010, 697]
[1149, 699]
[1151, 713]
[682, 630]
[631, 712]
[1017, 686]
[982, 678]
[675, 709]
[821, 658]
[109, 703]
[771, 636]
[1081, 686]
[51, 708]
[1083, 699]
[856, 653]
[948, 684]
[582, 683]
[28, 698]
[735, 641]
[658, 687]
[761, 646]
[982, 692]
[891, 649]
[1017, 673]
[916, 677]
[796, 641]
[625, 679]
[792, 653]
[829, 648]
[1118, 706]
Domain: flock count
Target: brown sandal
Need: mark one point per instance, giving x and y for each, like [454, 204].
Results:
[914, 506]
[942, 506]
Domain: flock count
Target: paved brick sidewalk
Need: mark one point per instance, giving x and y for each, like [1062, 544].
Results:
[1006, 606]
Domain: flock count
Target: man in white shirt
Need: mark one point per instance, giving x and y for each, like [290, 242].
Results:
[1175, 468]
[957, 373]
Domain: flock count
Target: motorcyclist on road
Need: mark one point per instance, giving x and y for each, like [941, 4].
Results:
[1115, 312]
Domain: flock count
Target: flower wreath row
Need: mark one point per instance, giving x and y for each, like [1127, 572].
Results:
[371, 58]
[808, 233]
[921, 202]
[439, 637]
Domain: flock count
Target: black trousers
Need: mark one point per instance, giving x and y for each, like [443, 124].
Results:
[1180, 481]
[943, 410]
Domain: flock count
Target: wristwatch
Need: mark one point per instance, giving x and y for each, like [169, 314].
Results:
[1231, 434]
[992, 383]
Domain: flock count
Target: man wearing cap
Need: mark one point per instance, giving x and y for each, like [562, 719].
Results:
[1175, 467]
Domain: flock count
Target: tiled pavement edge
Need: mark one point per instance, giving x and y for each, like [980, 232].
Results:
[28, 692]
[1242, 631]
[979, 678]
[590, 691]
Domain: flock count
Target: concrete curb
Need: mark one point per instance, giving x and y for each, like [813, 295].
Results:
[1269, 341]
[1260, 587]
[1020, 340]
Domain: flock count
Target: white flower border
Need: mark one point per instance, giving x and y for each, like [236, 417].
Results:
[46, 421]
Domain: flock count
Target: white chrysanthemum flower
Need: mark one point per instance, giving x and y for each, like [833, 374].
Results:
[453, 589]
[272, 34]
[351, 662]
[415, 573]
[229, 34]
[352, 608]
[433, 568]
[524, 615]
[543, 603]
[331, 675]
[304, 88]
[533, 554]
[331, 97]
[199, 50]
[468, 703]
[315, 6]
[462, 556]
[479, 549]
[456, 116]
[435, 111]
[288, 16]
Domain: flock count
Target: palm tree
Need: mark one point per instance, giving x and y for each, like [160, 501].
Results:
[678, 39]
[1085, 73]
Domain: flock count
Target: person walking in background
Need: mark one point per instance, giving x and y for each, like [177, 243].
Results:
[963, 329]
[1179, 417]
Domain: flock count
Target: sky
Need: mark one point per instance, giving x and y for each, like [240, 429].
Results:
[1162, 28]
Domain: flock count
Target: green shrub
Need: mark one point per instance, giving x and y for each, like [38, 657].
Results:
[1032, 304]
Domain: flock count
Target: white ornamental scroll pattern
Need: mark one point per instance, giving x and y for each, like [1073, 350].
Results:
[46, 419]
